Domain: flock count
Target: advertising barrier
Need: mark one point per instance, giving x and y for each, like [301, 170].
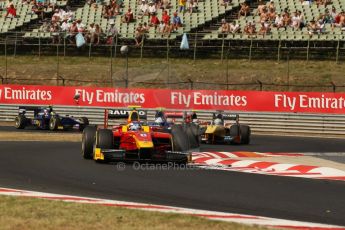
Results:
[256, 101]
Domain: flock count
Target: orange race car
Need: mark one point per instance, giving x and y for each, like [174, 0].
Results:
[134, 140]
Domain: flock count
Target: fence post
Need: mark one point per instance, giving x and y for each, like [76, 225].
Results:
[222, 54]
[227, 68]
[279, 47]
[191, 83]
[6, 58]
[334, 87]
[15, 45]
[90, 50]
[337, 54]
[58, 60]
[260, 84]
[308, 49]
[39, 45]
[116, 37]
[250, 49]
[167, 48]
[141, 48]
[64, 46]
[288, 69]
[60, 78]
[195, 40]
[111, 64]
[2, 79]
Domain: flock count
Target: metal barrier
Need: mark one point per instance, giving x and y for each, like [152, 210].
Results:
[261, 123]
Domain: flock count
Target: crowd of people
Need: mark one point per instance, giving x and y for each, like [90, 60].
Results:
[268, 17]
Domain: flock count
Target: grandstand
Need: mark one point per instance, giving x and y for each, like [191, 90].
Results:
[205, 22]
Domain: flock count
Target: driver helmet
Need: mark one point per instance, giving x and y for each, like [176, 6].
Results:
[217, 121]
[159, 120]
[134, 126]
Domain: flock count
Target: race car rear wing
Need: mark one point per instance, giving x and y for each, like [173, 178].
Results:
[231, 117]
[130, 115]
[22, 109]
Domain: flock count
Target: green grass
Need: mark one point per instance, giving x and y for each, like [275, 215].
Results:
[96, 71]
[30, 213]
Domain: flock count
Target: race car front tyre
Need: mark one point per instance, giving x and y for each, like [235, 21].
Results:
[85, 122]
[105, 139]
[88, 139]
[180, 139]
[54, 123]
[245, 134]
[192, 131]
[20, 122]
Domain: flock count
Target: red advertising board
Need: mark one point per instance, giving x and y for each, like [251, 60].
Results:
[301, 102]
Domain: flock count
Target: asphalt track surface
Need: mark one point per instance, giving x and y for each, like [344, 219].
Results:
[59, 168]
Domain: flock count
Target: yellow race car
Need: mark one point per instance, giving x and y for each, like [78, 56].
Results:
[218, 131]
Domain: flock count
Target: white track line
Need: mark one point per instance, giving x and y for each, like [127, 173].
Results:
[222, 216]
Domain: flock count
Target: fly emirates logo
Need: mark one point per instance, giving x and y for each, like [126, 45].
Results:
[22, 93]
[308, 102]
[198, 98]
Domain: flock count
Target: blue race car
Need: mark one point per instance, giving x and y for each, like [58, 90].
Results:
[45, 118]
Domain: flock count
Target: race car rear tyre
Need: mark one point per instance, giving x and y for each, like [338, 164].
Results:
[85, 122]
[88, 139]
[234, 131]
[180, 139]
[20, 122]
[192, 131]
[54, 122]
[105, 139]
[245, 134]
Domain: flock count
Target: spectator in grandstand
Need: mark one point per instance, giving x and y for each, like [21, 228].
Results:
[154, 21]
[265, 28]
[271, 15]
[111, 33]
[301, 19]
[295, 21]
[90, 34]
[224, 27]
[234, 27]
[146, 27]
[167, 29]
[264, 15]
[225, 3]
[166, 4]
[56, 16]
[313, 28]
[194, 6]
[327, 17]
[144, 8]
[80, 26]
[333, 14]
[286, 18]
[161, 28]
[139, 35]
[97, 34]
[339, 20]
[165, 17]
[182, 5]
[152, 8]
[65, 26]
[73, 30]
[244, 10]
[128, 17]
[278, 21]
[55, 33]
[323, 2]
[176, 22]
[45, 26]
[38, 9]
[249, 29]
[261, 8]
[271, 5]
[11, 9]
[52, 4]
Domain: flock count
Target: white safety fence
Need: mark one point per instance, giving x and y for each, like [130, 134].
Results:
[260, 123]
